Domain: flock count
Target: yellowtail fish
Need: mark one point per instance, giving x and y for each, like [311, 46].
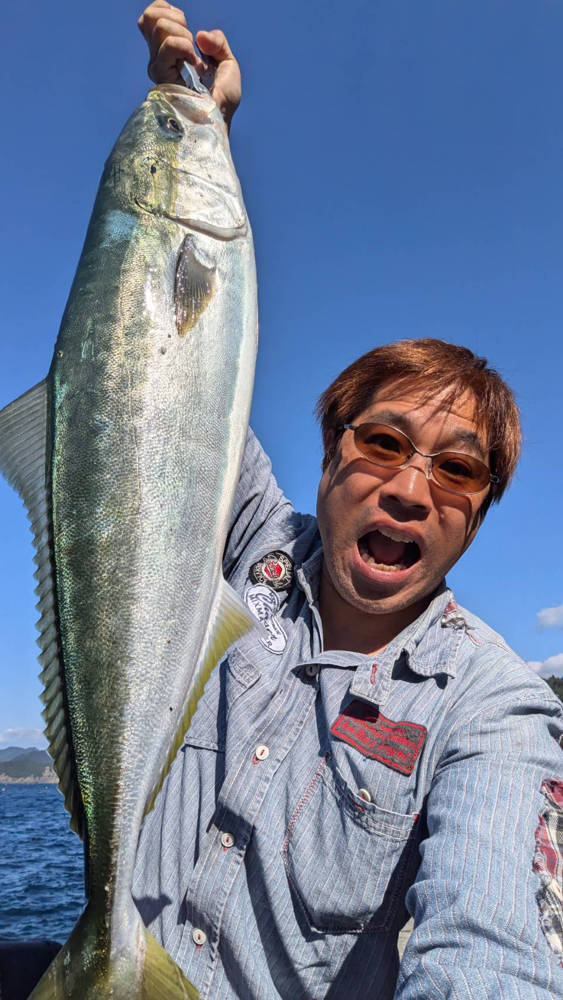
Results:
[127, 458]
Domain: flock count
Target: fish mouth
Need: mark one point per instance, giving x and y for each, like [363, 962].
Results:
[185, 101]
[197, 225]
[223, 189]
[389, 549]
[222, 193]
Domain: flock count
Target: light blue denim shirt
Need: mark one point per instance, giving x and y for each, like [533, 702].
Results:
[321, 797]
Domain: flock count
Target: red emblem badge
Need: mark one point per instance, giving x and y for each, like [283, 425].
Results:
[275, 570]
[396, 744]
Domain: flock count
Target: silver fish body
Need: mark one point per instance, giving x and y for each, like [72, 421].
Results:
[143, 417]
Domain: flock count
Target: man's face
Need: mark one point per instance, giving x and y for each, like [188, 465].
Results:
[390, 535]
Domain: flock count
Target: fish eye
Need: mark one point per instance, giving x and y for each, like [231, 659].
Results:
[170, 125]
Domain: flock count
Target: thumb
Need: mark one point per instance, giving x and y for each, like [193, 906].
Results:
[213, 43]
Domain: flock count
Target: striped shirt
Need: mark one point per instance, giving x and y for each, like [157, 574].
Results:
[320, 798]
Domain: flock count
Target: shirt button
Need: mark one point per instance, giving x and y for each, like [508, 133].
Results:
[227, 840]
[261, 752]
[364, 794]
[199, 936]
[312, 669]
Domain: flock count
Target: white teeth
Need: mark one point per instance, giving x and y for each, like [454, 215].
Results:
[384, 566]
[368, 558]
[394, 535]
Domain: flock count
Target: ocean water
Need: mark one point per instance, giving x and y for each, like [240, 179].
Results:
[41, 865]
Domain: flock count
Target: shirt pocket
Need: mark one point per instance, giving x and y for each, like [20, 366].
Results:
[350, 862]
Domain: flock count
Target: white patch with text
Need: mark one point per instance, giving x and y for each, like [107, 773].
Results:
[264, 604]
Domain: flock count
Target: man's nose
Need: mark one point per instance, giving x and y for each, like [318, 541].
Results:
[410, 487]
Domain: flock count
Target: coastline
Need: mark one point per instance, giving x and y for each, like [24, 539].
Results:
[48, 777]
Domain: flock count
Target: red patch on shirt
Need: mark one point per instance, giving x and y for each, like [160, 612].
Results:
[396, 744]
[548, 864]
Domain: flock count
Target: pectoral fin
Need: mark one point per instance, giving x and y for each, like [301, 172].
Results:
[194, 287]
[231, 620]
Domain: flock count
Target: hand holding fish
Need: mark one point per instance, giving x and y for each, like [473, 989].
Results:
[171, 42]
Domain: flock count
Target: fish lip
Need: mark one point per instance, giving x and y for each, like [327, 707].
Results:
[179, 90]
[182, 99]
[408, 534]
[224, 188]
[193, 225]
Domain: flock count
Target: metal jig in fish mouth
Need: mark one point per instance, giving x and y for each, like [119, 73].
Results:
[193, 81]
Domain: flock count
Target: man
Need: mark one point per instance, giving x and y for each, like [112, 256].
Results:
[377, 751]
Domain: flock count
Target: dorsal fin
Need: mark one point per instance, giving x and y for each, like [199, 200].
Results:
[24, 461]
[230, 621]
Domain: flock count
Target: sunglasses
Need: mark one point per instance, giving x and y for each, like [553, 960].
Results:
[389, 448]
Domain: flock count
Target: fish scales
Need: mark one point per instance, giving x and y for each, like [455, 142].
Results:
[147, 404]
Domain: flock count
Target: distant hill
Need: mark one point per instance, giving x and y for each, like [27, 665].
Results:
[25, 764]
[556, 684]
[12, 753]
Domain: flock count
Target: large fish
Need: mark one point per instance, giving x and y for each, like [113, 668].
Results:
[127, 457]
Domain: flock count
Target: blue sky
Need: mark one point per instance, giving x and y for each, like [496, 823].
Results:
[402, 166]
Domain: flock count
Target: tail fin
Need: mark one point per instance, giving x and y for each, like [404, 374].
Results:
[91, 973]
[162, 977]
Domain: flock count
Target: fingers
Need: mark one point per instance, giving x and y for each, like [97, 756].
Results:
[169, 40]
[226, 89]
[167, 52]
[158, 9]
[171, 43]
[213, 43]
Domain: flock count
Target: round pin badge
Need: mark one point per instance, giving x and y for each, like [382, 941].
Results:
[275, 570]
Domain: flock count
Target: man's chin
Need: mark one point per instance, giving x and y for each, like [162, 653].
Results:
[380, 591]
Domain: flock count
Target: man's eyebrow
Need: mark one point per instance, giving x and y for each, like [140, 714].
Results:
[471, 439]
[458, 436]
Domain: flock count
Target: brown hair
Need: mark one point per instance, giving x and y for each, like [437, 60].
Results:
[433, 366]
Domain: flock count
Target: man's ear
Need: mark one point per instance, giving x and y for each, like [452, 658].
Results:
[330, 464]
[474, 526]
[480, 515]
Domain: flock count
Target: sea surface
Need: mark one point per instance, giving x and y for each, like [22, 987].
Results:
[41, 865]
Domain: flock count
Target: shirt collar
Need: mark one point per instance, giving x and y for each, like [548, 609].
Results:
[430, 644]
[309, 576]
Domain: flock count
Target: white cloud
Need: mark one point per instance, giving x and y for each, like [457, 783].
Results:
[553, 665]
[24, 737]
[550, 617]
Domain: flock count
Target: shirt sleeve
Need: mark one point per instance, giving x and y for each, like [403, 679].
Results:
[487, 900]
[258, 500]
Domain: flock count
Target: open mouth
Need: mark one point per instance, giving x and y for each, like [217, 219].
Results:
[388, 550]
